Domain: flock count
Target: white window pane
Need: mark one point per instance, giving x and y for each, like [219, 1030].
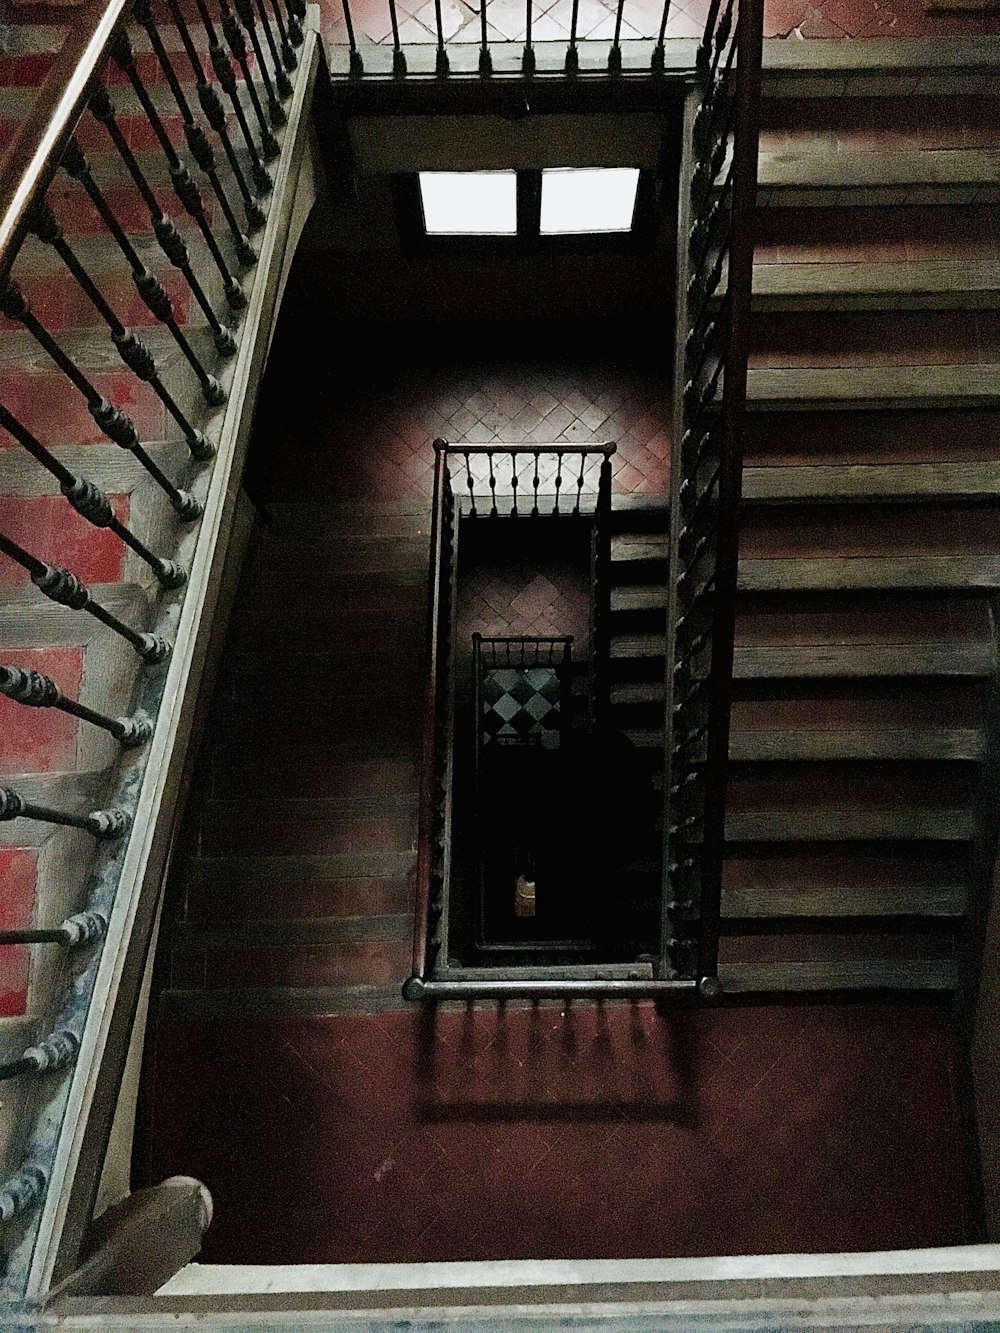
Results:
[469, 203]
[588, 199]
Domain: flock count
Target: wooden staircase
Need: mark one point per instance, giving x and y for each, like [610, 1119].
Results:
[858, 854]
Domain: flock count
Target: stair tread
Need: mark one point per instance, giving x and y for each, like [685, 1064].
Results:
[862, 659]
[638, 599]
[882, 387]
[838, 825]
[798, 167]
[289, 933]
[648, 692]
[923, 742]
[872, 483]
[843, 901]
[635, 547]
[349, 998]
[637, 645]
[915, 284]
[868, 973]
[860, 572]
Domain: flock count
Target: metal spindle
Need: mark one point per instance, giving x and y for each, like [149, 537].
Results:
[513, 484]
[296, 15]
[110, 823]
[238, 47]
[579, 484]
[150, 288]
[493, 486]
[131, 348]
[528, 56]
[468, 479]
[248, 17]
[288, 55]
[65, 589]
[168, 237]
[194, 136]
[34, 690]
[281, 79]
[55, 1051]
[183, 182]
[398, 56]
[615, 54]
[214, 113]
[355, 63]
[441, 65]
[534, 483]
[89, 501]
[82, 928]
[223, 68]
[485, 59]
[118, 427]
[572, 54]
[559, 463]
[658, 61]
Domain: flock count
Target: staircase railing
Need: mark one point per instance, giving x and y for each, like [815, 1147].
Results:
[496, 55]
[216, 94]
[485, 483]
[714, 284]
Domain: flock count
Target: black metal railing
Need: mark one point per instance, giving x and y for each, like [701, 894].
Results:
[486, 484]
[577, 55]
[103, 77]
[710, 396]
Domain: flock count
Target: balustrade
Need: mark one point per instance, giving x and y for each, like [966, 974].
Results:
[214, 266]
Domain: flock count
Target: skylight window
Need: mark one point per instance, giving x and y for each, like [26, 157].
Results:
[586, 200]
[469, 203]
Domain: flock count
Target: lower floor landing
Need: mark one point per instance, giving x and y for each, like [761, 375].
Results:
[574, 1131]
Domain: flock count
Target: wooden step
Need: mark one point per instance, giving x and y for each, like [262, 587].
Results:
[114, 470]
[753, 904]
[901, 573]
[872, 484]
[855, 974]
[632, 548]
[879, 66]
[637, 645]
[238, 1003]
[941, 824]
[800, 177]
[638, 599]
[645, 738]
[291, 934]
[879, 388]
[863, 659]
[274, 873]
[29, 618]
[919, 285]
[958, 743]
[643, 692]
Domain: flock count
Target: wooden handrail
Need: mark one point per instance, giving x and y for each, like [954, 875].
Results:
[31, 157]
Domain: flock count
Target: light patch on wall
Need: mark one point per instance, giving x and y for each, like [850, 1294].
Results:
[469, 203]
[588, 200]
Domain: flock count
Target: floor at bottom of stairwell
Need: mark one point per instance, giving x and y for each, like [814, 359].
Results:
[587, 1131]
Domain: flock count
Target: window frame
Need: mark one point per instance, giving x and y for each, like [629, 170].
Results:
[528, 240]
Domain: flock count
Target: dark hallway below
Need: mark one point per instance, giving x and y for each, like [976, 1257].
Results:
[330, 1122]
